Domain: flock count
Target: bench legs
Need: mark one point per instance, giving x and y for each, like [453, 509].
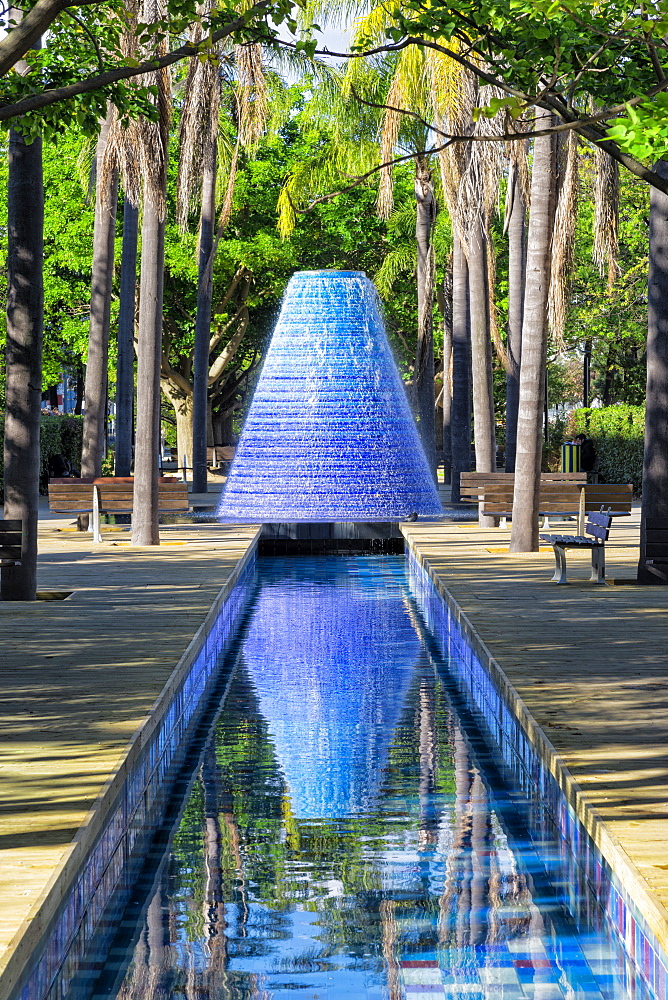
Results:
[597, 564]
[560, 568]
[95, 519]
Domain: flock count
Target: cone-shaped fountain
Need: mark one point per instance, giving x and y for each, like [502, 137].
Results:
[329, 435]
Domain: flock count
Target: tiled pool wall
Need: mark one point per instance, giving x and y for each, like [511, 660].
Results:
[595, 886]
[133, 802]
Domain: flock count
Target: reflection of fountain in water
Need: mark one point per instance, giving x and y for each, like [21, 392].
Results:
[329, 435]
[332, 664]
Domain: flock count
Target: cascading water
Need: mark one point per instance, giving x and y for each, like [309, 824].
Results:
[329, 435]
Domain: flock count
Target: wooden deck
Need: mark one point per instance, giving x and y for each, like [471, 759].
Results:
[78, 677]
[589, 662]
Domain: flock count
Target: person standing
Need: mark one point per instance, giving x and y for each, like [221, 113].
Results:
[587, 453]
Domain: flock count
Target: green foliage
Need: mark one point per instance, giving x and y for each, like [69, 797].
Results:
[58, 436]
[618, 436]
[68, 230]
[644, 132]
[81, 47]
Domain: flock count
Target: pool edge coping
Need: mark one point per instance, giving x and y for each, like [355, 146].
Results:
[653, 912]
[29, 936]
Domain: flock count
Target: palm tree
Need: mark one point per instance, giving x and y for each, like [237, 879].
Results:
[461, 369]
[23, 357]
[104, 234]
[153, 158]
[23, 353]
[125, 340]
[515, 226]
[655, 458]
[524, 535]
[198, 162]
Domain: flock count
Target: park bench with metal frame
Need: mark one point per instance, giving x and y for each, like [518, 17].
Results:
[11, 543]
[110, 495]
[596, 535]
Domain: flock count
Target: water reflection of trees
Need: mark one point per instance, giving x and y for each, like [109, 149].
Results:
[242, 862]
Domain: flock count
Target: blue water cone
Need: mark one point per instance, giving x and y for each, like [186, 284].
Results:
[329, 435]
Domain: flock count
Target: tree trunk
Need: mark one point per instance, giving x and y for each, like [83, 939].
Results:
[125, 370]
[655, 460]
[446, 403]
[203, 321]
[183, 413]
[516, 278]
[524, 535]
[484, 433]
[424, 358]
[78, 401]
[461, 370]
[23, 387]
[104, 233]
[149, 358]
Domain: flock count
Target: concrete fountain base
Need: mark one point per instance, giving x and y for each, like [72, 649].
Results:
[333, 537]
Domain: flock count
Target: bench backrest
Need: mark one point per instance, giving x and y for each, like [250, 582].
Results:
[598, 525]
[617, 497]
[471, 483]
[221, 453]
[11, 540]
[554, 498]
[115, 494]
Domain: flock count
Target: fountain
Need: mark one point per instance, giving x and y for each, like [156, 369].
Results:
[329, 435]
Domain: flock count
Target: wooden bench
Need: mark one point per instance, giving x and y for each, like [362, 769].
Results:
[220, 454]
[11, 543]
[554, 498]
[596, 535]
[616, 498]
[472, 484]
[110, 495]
[656, 547]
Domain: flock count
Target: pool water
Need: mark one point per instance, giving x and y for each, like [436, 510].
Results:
[347, 832]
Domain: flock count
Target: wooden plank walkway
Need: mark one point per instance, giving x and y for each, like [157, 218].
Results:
[590, 664]
[79, 676]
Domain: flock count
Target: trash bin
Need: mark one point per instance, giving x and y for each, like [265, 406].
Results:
[570, 457]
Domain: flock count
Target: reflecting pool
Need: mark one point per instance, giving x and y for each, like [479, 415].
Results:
[347, 832]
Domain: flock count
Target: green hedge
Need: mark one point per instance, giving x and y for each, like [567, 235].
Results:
[58, 436]
[618, 434]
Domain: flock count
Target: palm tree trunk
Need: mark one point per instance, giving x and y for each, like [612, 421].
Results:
[104, 234]
[461, 370]
[424, 358]
[149, 358]
[655, 460]
[484, 434]
[516, 277]
[524, 535]
[447, 402]
[125, 370]
[203, 321]
[23, 386]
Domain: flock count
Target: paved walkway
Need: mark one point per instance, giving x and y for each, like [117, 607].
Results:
[78, 677]
[589, 662]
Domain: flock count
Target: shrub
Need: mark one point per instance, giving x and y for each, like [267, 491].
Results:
[58, 435]
[618, 434]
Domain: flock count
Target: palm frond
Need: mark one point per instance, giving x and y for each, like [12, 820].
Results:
[606, 216]
[198, 127]
[563, 238]
[401, 260]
